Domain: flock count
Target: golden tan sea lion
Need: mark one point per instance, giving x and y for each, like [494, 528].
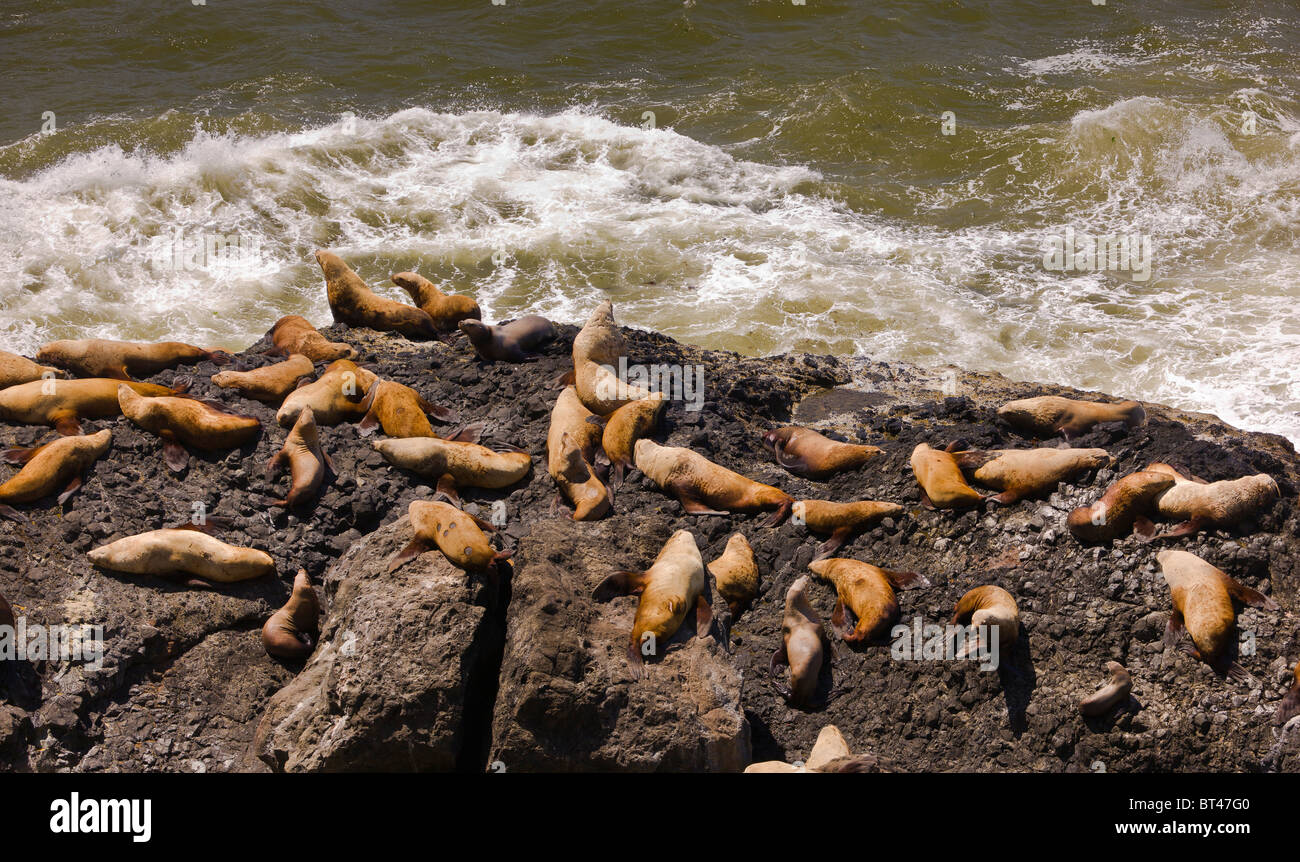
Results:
[291, 631]
[182, 551]
[354, 303]
[1199, 504]
[705, 488]
[991, 606]
[830, 754]
[337, 396]
[187, 422]
[1202, 597]
[571, 446]
[1125, 502]
[400, 411]
[804, 646]
[516, 341]
[55, 466]
[459, 535]
[809, 453]
[64, 403]
[446, 309]
[841, 520]
[1051, 414]
[294, 334]
[1112, 694]
[624, 427]
[15, 369]
[1290, 705]
[866, 592]
[307, 462]
[269, 384]
[596, 351]
[736, 574]
[668, 590]
[455, 464]
[99, 357]
[941, 481]
[1020, 473]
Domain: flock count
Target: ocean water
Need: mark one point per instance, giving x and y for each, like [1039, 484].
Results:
[759, 177]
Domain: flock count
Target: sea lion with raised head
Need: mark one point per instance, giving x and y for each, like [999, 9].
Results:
[705, 488]
[596, 351]
[354, 303]
[624, 427]
[808, 453]
[990, 606]
[1202, 597]
[941, 480]
[15, 369]
[1112, 694]
[119, 360]
[516, 341]
[55, 466]
[804, 645]
[446, 309]
[736, 574]
[400, 411]
[455, 464]
[182, 551]
[866, 592]
[64, 403]
[841, 520]
[1047, 415]
[187, 422]
[339, 395]
[307, 462]
[1020, 473]
[1126, 502]
[1290, 705]
[673, 585]
[1199, 504]
[830, 754]
[460, 536]
[269, 384]
[291, 631]
[294, 334]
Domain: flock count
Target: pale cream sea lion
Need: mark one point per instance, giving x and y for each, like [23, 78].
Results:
[338, 396]
[596, 351]
[1116, 691]
[182, 551]
[804, 645]
[455, 464]
[705, 488]
[1199, 504]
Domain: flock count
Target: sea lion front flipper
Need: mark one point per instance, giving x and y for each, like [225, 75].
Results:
[1173, 629]
[1237, 673]
[181, 385]
[72, 488]
[619, 584]
[1248, 596]
[781, 513]
[703, 615]
[779, 657]
[447, 489]
[67, 424]
[634, 663]
[175, 456]
[568, 378]
[843, 620]
[302, 381]
[1187, 528]
[413, 549]
[925, 501]
[219, 357]
[905, 580]
[834, 543]
[13, 514]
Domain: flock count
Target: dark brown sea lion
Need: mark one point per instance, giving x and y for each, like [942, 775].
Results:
[446, 309]
[291, 631]
[187, 422]
[515, 341]
[355, 304]
[1051, 414]
[810, 454]
[99, 357]
[1290, 705]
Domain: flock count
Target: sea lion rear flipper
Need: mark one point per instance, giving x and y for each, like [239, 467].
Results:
[615, 476]
[67, 424]
[925, 501]
[13, 514]
[1006, 498]
[1289, 707]
[568, 378]
[906, 580]
[219, 357]
[175, 456]
[469, 434]
[793, 463]
[1173, 629]
[19, 455]
[181, 385]
[781, 513]
[70, 490]
[302, 381]
[1187, 528]
[1248, 596]
[634, 663]
[1237, 673]
[619, 584]
[834, 543]
[1146, 531]
[506, 447]
[446, 489]
[437, 411]
[593, 419]
[412, 550]
[703, 615]
[329, 462]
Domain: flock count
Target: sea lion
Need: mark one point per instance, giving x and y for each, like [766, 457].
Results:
[830, 754]
[941, 481]
[810, 454]
[187, 422]
[337, 396]
[354, 303]
[1199, 504]
[291, 631]
[15, 369]
[866, 592]
[705, 488]
[669, 589]
[841, 520]
[624, 427]
[400, 411]
[271, 383]
[1202, 597]
[1110, 695]
[571, 445]
[55, 466]
[596, 352]
[64, 403]
[99, 357]
[515, 341]
[459, 535]
[992, 606]
[446, 309]
[1051, 414]
[736, 574]
[307, 462]
[1290, 705]
[455, 464]
[1020, 473]
[183, 551]
[1124, 503]
[804, 645]
[294, 334]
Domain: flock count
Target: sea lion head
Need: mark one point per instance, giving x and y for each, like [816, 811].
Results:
[777, 436]
[331, 264]
[478, 331]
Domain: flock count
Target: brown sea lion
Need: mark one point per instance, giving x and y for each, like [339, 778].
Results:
[1051, 414]
[459, 535]
[64, 403]
[810, 454]
[1125, 502]
[269, 384]
[624, 427]
[15, 369]
[804, 645]
[596, 352]
[515, 341]
[705, 488]
[571, 446]
[1020, 473]
[830, 754]
[337, 396]
[294, 334]
[446, 309]
[55, 466]
[1202, 597]
[736, 574]
[668, 590]
[866, 592]
[291, 631]
[1199, 504]
[1112, 694]
[187, 422]
[841, 520]
[307, 462]
[1290, 705]
[99, 357]
[992, 606]
[400, 411]
[941, 481]
[455, 464]
[182, 551]
[354, 303]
